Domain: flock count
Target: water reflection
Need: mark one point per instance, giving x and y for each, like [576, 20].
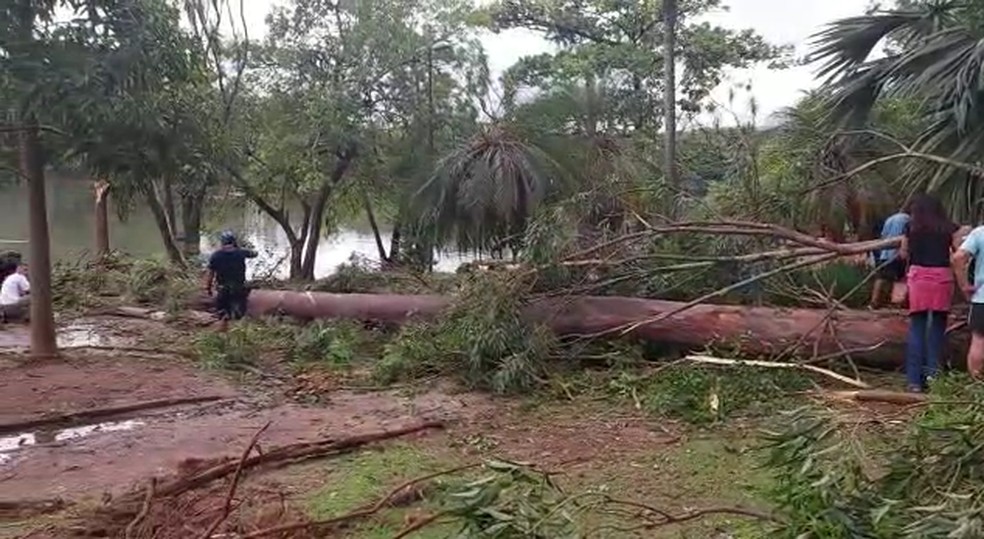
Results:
[11, 444]
[71, 220]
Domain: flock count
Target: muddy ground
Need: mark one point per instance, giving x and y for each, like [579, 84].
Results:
[81, 464]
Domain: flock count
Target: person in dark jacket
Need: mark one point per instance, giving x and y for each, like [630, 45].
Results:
[226, 275]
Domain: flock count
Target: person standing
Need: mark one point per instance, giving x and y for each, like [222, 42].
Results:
[890, 273]
[927, 245]
[226, 274]
[968, 260]
[15, 299]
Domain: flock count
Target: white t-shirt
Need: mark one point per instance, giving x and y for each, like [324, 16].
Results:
[14, 287]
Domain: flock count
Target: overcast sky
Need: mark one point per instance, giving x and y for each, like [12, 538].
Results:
[780, 21]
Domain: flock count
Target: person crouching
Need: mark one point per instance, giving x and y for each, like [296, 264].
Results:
[15, 299]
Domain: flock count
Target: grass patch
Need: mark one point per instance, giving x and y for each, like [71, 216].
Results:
[363, 478]
[719, 469]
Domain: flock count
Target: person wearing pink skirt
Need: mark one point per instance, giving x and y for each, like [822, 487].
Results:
[927, 244]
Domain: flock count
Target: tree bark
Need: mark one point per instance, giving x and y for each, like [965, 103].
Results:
[167, 199]
[669, 96]
[43, 339]
[164, 227]
[380, 248]
[191, 222]
[314, 224]
[874, 336]
[102, 219]
[396, 242]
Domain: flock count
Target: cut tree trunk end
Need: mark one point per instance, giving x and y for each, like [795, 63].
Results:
[102, 219]
[874, 337]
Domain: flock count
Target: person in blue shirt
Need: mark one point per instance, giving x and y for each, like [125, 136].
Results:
[226, 274]
[971, 253]
[891, 267]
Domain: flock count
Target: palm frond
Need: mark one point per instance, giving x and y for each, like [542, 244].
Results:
[940, 64]
[483, 193]
[845, 45]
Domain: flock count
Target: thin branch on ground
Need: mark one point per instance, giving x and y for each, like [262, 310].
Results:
[358, 513]
[775, 365]
[290, 454]
[667, 519]
[420, 524]
[102, 413]
[227, 506]
[144, 509]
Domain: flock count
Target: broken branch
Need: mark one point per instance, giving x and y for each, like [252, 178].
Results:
[101, 413]
[359, 513]
[227, 506]
[290, 453]
[144, 510]
[629, 328]
[775, 365]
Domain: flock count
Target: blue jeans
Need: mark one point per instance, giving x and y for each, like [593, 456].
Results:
[924, 347]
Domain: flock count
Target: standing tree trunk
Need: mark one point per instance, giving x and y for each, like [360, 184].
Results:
[396, 241]
[313, 228]
[164, 227]
[43, 340]
[102, 219]
[669, 98]
[191, 222]
[380, 248]
[167, 199]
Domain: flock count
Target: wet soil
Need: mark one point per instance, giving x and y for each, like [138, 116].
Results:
[105, 457]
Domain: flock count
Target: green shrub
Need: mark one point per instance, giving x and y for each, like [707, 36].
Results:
[334, 343]
[235, 349]
[700, 394]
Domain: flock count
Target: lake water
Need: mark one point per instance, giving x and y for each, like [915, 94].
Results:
[72, 225]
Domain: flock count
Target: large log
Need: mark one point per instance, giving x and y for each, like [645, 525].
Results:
[875, 336]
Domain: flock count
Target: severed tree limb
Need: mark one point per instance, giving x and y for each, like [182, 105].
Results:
[744, 228]
[666, 519]
[830, 313]
[101, 413]
[880, 395]
[289, 453]
[227, 506]
[144, 510]
[420, 524]
[359, 513]
[709, 360]
[628, 328]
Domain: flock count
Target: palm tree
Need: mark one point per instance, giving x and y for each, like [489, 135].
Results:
[816, 152]
[483, 193]
[935, 55]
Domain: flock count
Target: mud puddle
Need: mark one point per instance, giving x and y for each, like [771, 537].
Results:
[17, 337]
[11, 445]
[82, 334]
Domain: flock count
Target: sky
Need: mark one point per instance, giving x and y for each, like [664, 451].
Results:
[779, 21]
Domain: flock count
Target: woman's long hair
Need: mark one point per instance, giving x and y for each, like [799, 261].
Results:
[927, 214]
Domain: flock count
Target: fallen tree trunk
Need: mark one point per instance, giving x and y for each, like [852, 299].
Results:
[874, 336]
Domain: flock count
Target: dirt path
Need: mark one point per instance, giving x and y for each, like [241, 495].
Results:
[110, 455]
[588, 444]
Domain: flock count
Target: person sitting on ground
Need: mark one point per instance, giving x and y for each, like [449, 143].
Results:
[929, 240]
[890, 273]
[15, 299]
[226, 274]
